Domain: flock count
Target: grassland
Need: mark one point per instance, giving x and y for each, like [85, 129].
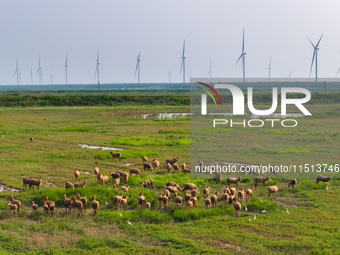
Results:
[311, 227]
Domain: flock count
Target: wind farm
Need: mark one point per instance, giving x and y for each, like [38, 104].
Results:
[241, 59]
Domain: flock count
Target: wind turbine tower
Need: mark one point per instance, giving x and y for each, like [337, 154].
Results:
[210, 71]
[183, 62]
[17, 71]
[270, 67]
[39, 71]
[315, 56]
[243, 56]
[138, 67]
[65, 66]
[169, 77]
[96, 74]
[290, 75]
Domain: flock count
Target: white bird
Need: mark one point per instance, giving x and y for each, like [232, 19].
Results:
[245, 208]
[261, 200]
[2, 135]
[121, 214]
[287, 210]
[129, 223]
[264, 211]
[249, 218]
[106, 203]
[254, 218]
[326, 188]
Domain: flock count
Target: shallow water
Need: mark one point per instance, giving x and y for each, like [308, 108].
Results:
[186, 114]
[100, 147]
[168, 115]
[4, 188]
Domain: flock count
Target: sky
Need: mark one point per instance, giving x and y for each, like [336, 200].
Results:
[212, 31]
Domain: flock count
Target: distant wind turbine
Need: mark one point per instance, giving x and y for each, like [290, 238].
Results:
[210, 71]
[183, 62]
[243, 56]
[17, 71]
[51, 79]
[39, 71]
[290, 75]
[138, 67]
[169, 77]
[96, 74]
[270, 67]
[31, 77]
[65, 66]
[315, 56]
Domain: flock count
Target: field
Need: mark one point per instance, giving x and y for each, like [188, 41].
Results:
[310, 227]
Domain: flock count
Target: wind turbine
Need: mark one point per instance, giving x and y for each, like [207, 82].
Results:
[315, 56]
[51, 79]
[39, 71]
[96, 74]
[270, 67]
[290, 75]
[183, 62]
[65, 66]
[138, 67]
[17, 71]
[243, 56]
[31, 77]
[169, 77]
[210, 71]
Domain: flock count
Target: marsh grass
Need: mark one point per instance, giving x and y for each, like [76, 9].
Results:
[312, 226]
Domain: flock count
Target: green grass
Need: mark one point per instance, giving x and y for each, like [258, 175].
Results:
[311, 227]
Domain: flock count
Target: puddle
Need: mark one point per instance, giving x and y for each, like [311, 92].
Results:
[167, 115]
[128, 164]
[4, 188]
[48, 184]
[99, 147]
[253, 116]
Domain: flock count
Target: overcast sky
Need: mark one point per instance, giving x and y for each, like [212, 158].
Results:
[211, 29]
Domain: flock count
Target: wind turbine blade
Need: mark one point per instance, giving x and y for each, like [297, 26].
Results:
[239, 59]
[319, 41]
[243, 42]
[182, 65]
[136, 69]
[95, 73]
[311, 42]
[183, 49]
[337, 72]
[311, 66]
